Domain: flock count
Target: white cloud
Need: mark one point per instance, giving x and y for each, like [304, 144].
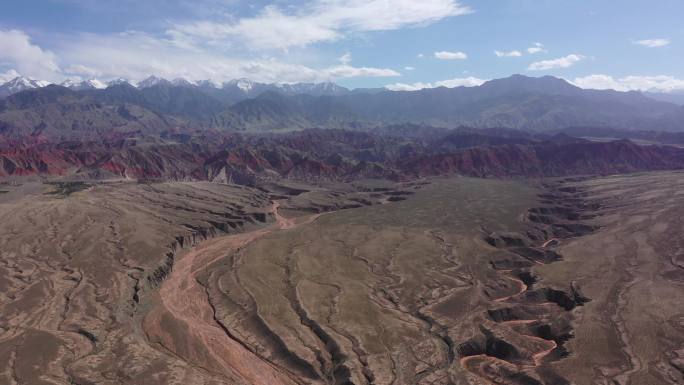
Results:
[653, 43]
[450, 83]
[598, 82]
[409, 68]
[346, 58]
[408, 87]
[347, 71]
[136, 55]
[82, 71]
[272, 29]
[460, 82]
[446, 55]
[659, 83]
[563, 62]
[383, 15]
[420, 56]
[7, 76]
[223, 47]
[508, 54]
[536, 48]
[17, 51]
[320, 21]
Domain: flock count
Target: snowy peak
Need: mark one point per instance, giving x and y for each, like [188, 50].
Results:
[315, 89]
[251, 88]
[152, 81]
[208, 84]
[181, 82]
[21, 83]
[156, 81]
[91, 84]
[243, 84]
[116, 82]
[70, 83]
[238, 88]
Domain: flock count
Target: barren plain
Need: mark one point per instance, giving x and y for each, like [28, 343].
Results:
[449, 280]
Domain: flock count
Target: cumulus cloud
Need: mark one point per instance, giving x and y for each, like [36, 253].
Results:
[450, 83]
[221, 47]
[446, 55]
[18, 51]
[82, 70]
[659, 83]
[136, 55]
[320, 21]
[347, 71]
[563, 62]
[9, 75]
[536, 48]
[346, 58]
[653, 43]
[409, 68]
[508, 54]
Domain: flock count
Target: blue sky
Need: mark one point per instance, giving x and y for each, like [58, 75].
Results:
[621, 44]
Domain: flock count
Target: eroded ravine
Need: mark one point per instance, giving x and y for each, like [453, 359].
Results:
[526, 328]
[73, 301]
[183, 321]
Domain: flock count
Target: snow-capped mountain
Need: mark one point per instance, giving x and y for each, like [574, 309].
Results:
[181, 82]
[118, 81]
[155, 81]
[233, 91]
[243, 84]
[245, 87]
[208, 84]
[251, 88]
[152, 81]
[70, 83]
[91, 84]
[315, 89]
[19, 84]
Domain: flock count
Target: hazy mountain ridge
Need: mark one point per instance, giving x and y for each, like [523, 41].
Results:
[675, 98]
[538, 104]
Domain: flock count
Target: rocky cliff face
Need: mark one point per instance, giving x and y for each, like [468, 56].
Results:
[548, 159]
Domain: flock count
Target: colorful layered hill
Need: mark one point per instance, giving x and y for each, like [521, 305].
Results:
[316, 155]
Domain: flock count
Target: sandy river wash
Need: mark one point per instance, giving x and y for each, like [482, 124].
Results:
[183, 322]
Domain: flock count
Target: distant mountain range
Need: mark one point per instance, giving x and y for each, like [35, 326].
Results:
[676, 98]
[91, 109]
[242, 88]
[19, 84]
